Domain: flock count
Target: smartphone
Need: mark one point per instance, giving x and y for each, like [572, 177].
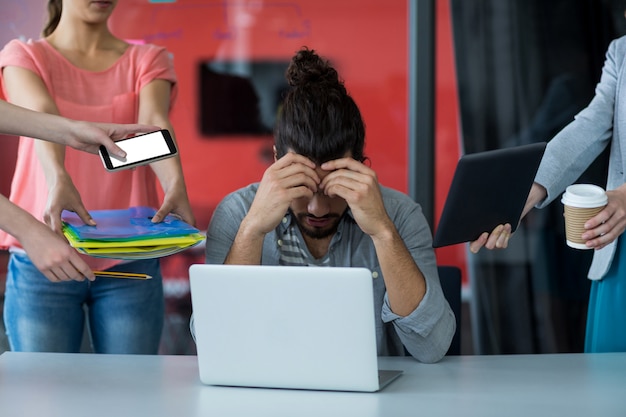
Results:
[140, 150]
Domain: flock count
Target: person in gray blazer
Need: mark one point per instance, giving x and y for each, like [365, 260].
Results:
[602, 123]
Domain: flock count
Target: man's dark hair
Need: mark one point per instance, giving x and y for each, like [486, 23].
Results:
[318, 118]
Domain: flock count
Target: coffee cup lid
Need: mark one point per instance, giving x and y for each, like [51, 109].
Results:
[584, 196]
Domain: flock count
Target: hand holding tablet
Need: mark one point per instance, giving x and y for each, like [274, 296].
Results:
[488, 189]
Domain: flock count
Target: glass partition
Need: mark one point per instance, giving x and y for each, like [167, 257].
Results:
[524, 69]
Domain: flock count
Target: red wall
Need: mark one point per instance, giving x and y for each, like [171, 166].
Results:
[365, 39]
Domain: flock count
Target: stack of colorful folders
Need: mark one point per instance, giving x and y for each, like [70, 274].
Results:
[129, 234]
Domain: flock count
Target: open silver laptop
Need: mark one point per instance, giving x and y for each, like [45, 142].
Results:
[286, 327]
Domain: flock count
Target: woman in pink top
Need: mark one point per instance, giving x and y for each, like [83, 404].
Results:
[81, 71]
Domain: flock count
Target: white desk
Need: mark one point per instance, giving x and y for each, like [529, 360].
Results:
[88, 385]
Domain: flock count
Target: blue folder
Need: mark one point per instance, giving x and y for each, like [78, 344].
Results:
[126, 224]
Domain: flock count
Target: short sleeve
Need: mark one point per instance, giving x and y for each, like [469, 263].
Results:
[18, 53]
[157, 64]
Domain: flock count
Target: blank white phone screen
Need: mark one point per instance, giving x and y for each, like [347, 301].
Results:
[141, 148]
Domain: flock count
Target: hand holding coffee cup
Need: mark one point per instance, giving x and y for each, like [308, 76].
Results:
[581, 202]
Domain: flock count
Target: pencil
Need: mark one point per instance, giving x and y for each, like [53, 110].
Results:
[129, 275]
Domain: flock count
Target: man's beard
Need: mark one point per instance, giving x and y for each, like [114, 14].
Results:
[317, 232]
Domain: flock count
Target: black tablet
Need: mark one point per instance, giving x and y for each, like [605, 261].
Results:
[488, 188]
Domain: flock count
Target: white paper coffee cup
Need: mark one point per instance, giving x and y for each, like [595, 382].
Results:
[581, 202]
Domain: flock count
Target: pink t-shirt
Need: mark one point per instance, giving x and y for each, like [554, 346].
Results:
[112, 96]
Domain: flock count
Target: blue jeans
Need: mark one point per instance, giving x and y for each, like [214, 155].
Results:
[125, 315]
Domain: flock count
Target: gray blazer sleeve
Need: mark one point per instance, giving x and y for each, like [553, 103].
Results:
[575, 147]
[602, 123]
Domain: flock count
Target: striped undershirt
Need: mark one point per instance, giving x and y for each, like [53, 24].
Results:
[293, 253]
